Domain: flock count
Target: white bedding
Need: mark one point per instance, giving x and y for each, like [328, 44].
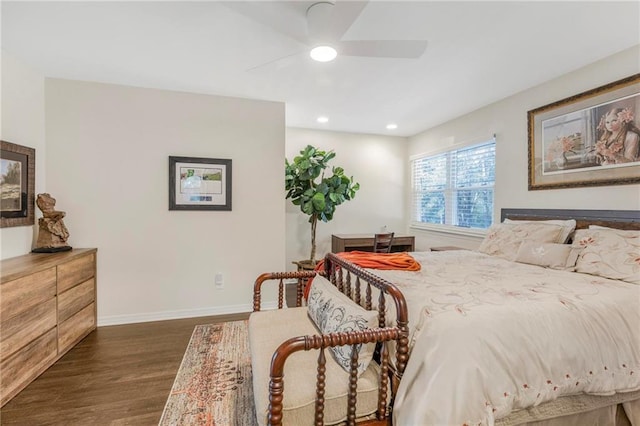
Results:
[490, 336]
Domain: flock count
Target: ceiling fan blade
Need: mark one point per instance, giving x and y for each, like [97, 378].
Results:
[383, 48]
[284, 17]
[342, 16]
[279, 63]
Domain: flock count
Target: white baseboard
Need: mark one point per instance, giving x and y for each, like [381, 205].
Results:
[186, 313]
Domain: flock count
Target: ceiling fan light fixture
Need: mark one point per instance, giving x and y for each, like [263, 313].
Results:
[323, 53]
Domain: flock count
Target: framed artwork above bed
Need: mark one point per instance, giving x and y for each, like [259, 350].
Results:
[590, 139]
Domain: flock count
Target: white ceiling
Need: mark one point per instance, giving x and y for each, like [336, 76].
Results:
[478, 52]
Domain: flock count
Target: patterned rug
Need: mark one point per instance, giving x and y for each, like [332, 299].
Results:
[213, 386]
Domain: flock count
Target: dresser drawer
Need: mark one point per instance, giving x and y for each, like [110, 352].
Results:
[25, 327]
[24, 293]
[25, 365]
[76, 298]
[47, 305]
[76, 327]
[75, 272]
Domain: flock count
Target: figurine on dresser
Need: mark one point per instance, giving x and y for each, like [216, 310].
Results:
[53, 234]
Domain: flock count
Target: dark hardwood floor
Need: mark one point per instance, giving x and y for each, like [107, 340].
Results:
[118, 375]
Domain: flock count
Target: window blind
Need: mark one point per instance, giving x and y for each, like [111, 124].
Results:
[455, 187]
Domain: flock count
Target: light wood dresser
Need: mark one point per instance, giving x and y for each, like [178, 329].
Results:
[47, 305]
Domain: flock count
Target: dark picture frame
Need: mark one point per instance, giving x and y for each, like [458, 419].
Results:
[572, 144]
[17, 180]
[199, 183]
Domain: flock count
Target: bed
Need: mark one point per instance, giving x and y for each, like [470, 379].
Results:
[513, 334]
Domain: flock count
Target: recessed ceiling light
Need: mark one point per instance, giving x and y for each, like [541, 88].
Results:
[323, 119]
[323, 53]
[392, 126]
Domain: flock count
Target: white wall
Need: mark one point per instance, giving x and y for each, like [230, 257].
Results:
[107, 166]
[508, 120]
[22, 124]
[378, 163]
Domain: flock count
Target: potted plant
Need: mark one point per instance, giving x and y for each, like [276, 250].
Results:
[316, 194]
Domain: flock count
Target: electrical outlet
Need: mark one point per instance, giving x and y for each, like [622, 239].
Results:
[219, 280]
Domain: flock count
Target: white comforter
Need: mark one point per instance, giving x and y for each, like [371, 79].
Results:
[492, 336]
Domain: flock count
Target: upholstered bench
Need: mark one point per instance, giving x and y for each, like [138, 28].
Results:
[314, 365]
[267, 330]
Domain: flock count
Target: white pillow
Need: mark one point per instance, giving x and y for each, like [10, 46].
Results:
[603, 227]
[549, 255]
[609, 253]
[334, 312]
[568, 225]
[504, 239]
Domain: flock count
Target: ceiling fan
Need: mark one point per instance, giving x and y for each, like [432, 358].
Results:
[323, 25]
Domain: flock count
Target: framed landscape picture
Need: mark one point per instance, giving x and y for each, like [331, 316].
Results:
[588, 139]
[17, 183]
[199, 183]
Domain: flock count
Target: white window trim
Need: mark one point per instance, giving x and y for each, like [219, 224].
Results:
[449, 229]
[452, 147]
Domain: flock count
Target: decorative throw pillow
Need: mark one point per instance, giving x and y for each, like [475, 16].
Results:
[334, 312]
[609, 253]
[568, 226]
[504, 239]
[548, 255]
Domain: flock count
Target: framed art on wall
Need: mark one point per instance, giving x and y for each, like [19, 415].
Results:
[17, 181]
[199, 183]
[589, 139]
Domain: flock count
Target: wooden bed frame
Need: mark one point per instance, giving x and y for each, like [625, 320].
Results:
[341, 273]
[620, 219]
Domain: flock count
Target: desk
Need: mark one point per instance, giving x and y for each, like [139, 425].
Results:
[364, 242]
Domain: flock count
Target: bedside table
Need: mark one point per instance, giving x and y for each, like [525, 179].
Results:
[446, 248]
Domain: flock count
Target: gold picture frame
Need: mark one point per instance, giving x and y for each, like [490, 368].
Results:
[590, 139]
[17, 183]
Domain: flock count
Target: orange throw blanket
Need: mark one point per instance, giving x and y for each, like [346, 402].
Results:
[385, 261]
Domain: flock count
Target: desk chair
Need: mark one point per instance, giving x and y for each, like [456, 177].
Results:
[382, 243]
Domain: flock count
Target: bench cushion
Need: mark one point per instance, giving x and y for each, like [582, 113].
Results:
[269, 329]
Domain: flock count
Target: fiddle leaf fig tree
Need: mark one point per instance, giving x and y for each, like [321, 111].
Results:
[316, 194]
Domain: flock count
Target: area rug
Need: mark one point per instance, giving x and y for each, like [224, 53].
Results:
[213, 386]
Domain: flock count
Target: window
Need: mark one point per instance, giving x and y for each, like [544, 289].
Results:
[455, 187]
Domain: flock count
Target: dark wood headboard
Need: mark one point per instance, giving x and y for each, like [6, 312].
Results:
[621, 219]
